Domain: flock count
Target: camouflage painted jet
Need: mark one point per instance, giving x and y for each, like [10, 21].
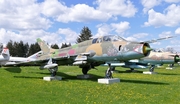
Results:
[154, 59]
[88, 54]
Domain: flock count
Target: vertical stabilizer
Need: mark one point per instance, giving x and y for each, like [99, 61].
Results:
[1, 47]
[5, 53]
[44, 47]
[36, 55]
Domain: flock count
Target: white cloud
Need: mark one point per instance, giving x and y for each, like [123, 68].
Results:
[124, 8]
[177, 31]
[53, 8]
[165, 34]
[103, 29]
[75, 13]
[132, 39]
[148, 4]
[141, 35]
[83, 13]
[169, 18]
[21, 15]
[121, 27]
[113, 28]
[137, 37]
[172, 1]
[29, 36]
[70, 35]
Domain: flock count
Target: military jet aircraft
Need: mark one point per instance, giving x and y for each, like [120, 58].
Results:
[31, 60]
[97, 51]
[155, 58]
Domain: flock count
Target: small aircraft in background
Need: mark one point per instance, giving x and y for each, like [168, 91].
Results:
[97, 51]
[7, 60]
[31, 60]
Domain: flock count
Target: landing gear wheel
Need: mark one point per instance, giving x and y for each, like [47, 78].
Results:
[53, 71]
[151, 69]
[132, 69]
[108, 74]
[171, 65]
[85, 69]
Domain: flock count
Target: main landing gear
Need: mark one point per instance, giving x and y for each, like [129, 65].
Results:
[85, 69]
[108, 72]
[151, 69]
[53, 71]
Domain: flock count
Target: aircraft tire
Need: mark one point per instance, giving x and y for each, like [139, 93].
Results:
[85, 70]
[132, 69]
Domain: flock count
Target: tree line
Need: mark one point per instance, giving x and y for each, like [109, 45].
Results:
[21, 49]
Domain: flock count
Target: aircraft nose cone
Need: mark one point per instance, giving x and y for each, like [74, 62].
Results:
[177, 59]
[148, 49]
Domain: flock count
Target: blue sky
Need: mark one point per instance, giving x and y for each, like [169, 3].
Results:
[60, 21]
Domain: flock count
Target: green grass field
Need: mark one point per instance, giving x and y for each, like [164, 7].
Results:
[24, 85]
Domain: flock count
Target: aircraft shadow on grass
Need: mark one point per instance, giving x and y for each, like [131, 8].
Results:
[136, 71]
[65, 77]
[29, 77]
[13, 69]
[168, 74]
[74, 77]
[143, 82]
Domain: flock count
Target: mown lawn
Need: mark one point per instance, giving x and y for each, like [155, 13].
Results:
[24, 85]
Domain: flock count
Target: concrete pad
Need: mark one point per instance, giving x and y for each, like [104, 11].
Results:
[108, 81]
[84, 76]
[148, 72]
[49, 78]
[169, 68]
[115, 71]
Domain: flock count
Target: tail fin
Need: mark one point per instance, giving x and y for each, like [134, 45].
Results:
[44, 47]
[5, 53]
[36, 55]
[1, 47]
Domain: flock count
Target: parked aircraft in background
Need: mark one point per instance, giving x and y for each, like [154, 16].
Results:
[154, 59]
[31, 60]
[91, 53]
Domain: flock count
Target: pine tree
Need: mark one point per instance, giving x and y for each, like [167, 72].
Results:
[54, 46]
[10, 46]
[33, 49]
[65, 45]
[85, 35]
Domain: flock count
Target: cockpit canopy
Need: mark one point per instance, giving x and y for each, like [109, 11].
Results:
[111, 38]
